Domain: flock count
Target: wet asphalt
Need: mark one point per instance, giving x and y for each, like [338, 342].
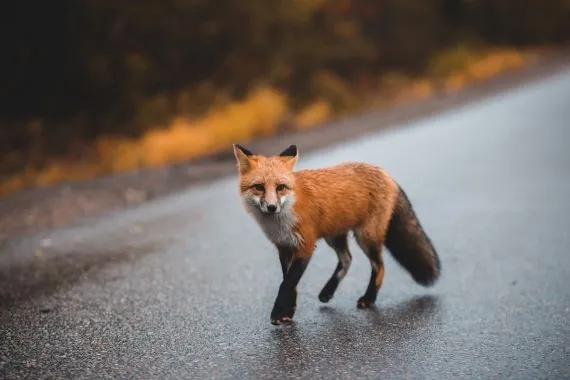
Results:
[182, 287]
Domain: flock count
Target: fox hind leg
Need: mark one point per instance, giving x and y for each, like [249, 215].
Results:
[340, 245]
[373, 250]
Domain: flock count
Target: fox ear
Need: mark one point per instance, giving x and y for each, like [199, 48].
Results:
[290, 156]
[243, 158]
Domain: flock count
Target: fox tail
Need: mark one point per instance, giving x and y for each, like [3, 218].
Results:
[409, 244]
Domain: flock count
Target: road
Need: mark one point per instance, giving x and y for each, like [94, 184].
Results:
[182, 287]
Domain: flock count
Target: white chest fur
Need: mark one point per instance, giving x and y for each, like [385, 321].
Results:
[279, 228]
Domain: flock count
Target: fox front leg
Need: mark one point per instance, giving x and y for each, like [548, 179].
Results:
[293, 265]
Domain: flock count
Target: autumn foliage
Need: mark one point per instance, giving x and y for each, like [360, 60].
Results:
[97, 86]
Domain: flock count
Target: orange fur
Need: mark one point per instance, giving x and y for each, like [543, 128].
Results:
[297, 208]
[329, 201]
[350, 196]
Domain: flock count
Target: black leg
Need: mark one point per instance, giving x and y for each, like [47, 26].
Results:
[376, 278]
[371, 293]
[285, 256]
[340, 246]
[286, 301]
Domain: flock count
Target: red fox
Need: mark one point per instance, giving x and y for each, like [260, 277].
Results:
[297, 208]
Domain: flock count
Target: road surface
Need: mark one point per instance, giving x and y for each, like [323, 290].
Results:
[182, 287]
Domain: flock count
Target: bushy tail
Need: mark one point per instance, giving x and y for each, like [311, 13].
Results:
[408, 243]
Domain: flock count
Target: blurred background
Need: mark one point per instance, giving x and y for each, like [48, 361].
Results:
[98, 86]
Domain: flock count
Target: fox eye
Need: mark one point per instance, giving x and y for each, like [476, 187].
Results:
[281, 187]
[259, 187]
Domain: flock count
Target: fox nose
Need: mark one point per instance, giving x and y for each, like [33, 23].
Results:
[271, 208]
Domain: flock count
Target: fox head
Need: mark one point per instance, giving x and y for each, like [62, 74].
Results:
[267, 184]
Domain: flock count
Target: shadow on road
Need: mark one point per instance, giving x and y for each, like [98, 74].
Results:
[45, 277]
[344, 334]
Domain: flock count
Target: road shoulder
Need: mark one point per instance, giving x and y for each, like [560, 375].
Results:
[35, 210]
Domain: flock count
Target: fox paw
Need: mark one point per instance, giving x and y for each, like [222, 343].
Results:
[365, 303]
[281, 320]
[328, 290]
[325, 297]
[282, 316]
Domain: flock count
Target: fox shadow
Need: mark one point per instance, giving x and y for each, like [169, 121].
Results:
[348, 333]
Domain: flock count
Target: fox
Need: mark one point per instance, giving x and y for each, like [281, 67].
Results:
[297, 208]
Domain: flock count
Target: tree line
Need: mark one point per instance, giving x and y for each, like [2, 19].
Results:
[86, 67]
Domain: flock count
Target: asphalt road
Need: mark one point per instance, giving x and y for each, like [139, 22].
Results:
[182, 287]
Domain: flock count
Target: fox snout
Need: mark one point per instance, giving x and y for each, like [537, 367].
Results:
[269, 207]
[266, 203]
